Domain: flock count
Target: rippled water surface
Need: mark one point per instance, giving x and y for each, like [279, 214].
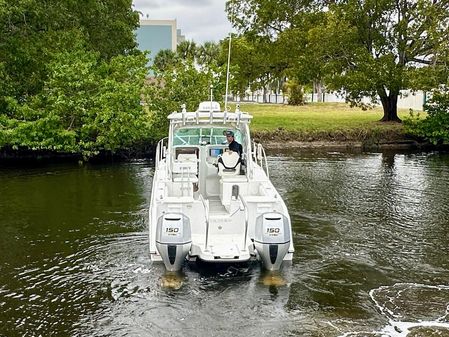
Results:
[371, 235]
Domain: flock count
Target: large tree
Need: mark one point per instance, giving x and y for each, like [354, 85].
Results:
[165, 59]
[88, 105]
[209, 54]
[187, 50]
[71, 78]
[182, 83]
[363, 47]
[32, 31]
[255, 63]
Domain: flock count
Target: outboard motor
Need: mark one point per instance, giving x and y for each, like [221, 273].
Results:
[173, 239]
[272, 239]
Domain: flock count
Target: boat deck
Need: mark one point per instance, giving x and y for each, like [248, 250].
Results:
[216, 207]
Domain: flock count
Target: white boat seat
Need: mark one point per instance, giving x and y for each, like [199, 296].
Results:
[229, 163]
[189, 157]
[180, 177]
[186, 163]
[185, 168]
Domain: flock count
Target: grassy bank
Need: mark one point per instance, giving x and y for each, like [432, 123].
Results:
[325, 125]
[331, 122]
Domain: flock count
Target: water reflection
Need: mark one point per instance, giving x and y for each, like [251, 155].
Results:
[371, 237]
[362, 221]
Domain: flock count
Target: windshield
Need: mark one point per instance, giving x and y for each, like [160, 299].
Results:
[203, 136]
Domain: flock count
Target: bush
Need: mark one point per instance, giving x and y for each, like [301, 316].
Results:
[295, 93]
[88, 105]
[435, 127]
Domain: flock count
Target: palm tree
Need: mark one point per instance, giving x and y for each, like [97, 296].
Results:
[187, 50]
[165, 59]
[208, 53]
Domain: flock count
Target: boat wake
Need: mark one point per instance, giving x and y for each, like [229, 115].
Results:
[411, 309]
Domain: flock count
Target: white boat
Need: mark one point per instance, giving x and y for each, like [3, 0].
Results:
[211, 204]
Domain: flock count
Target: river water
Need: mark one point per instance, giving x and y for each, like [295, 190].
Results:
[371, 235]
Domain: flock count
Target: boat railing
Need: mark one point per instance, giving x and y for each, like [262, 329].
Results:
[245, 207]
[161, 150]
[203, 117]
[206, 214]
[260, 157]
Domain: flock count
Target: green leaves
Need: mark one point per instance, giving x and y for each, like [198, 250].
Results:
[185, 77]
[435, 126]
[32, 31]
[361, 48]
[181, 84]
[87, 105]
[295, 93]
[164, 60]
[71, 79]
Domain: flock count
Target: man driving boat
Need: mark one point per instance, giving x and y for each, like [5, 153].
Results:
[233, 144]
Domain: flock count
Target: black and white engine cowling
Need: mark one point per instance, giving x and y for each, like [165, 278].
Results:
[173, 239]
[272, 239]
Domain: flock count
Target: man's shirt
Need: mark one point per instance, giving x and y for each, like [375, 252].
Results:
[236, 147]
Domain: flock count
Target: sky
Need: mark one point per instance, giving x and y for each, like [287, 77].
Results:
[199, 20]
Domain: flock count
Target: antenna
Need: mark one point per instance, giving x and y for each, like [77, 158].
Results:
[211, 97]
[183, 111]
[211, 103]
[227, 72]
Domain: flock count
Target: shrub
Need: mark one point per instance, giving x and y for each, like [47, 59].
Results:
[295, 92]
[435, 127]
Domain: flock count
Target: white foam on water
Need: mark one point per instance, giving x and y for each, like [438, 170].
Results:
[142, 270]
[402, 329]
[395, 327]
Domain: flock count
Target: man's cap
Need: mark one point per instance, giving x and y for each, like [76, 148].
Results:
[229, 133]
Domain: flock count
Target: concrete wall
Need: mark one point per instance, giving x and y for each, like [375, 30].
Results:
[408, 100]
[411, 100]
[156, 35]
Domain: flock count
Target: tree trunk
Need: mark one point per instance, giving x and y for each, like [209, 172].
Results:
[390, 106]
[319, 91]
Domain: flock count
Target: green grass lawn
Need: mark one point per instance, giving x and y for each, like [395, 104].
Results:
[314, 117]
[322, 121]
